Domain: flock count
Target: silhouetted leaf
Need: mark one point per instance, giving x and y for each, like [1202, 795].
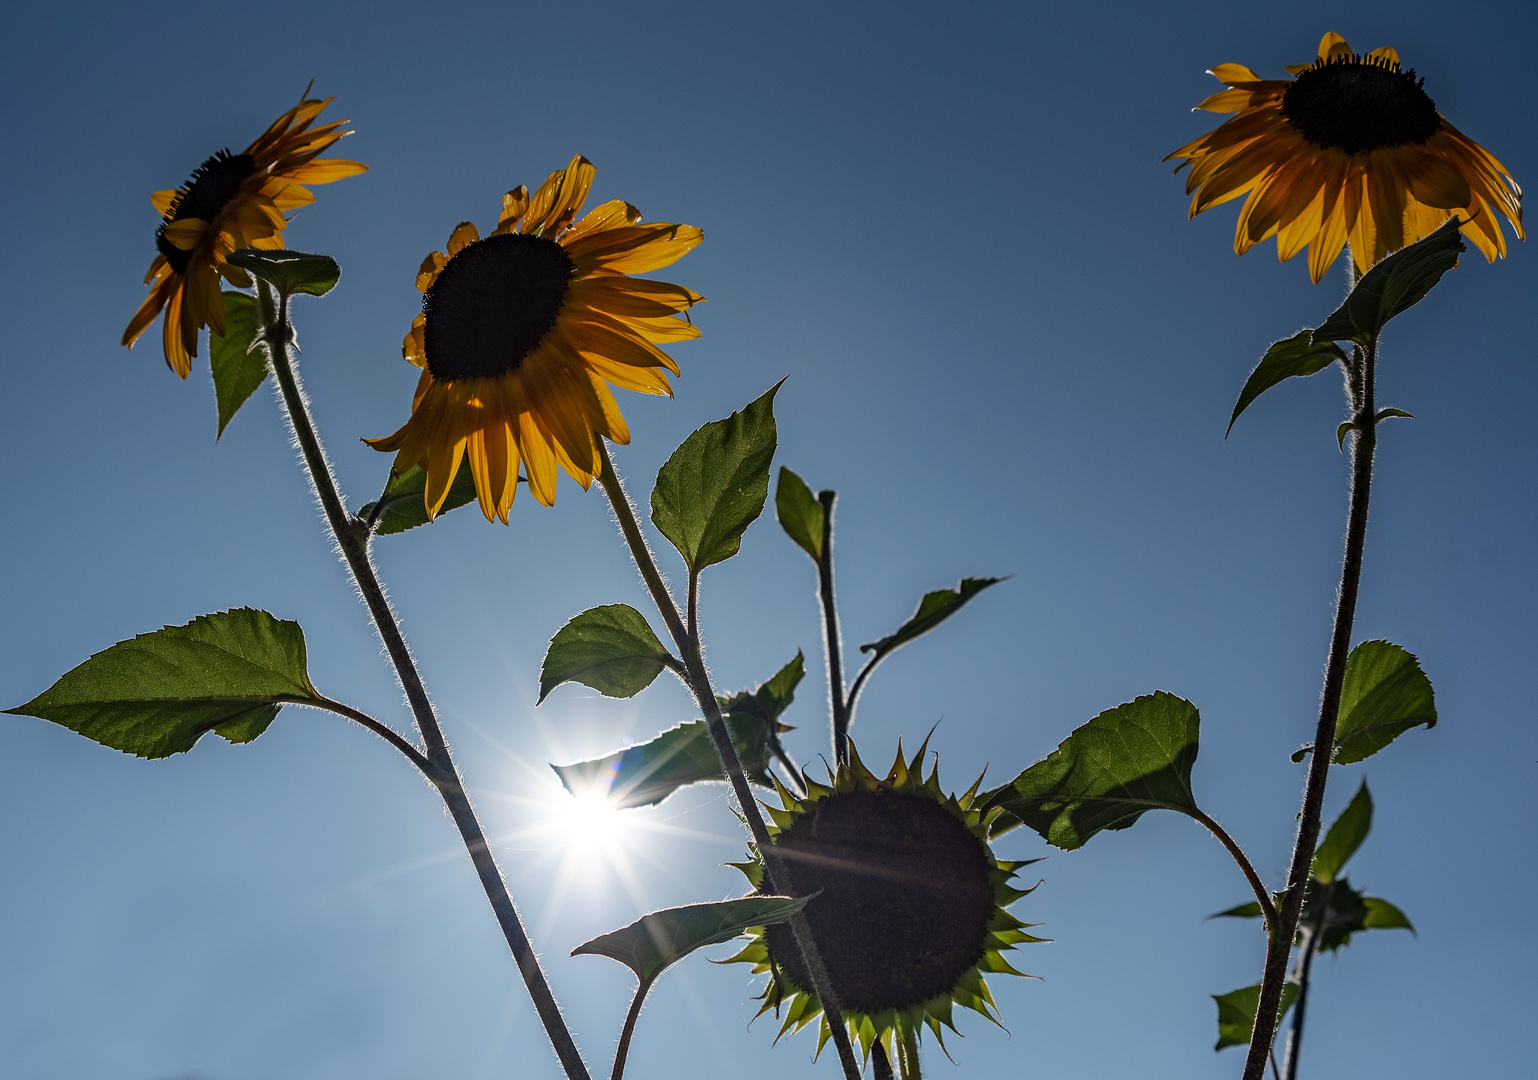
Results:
[157, 694]
[801, 515]
[770, 699]
[1385, 693]
[1292, 357]
[238, 367]
[654, 942]
[715, 484]
[1236, 1013]
[934, 609]
[1344, 837]
[1126, 761]
[1243, 911]
[611, 649]
[290, 272]
[1382, 915]
[1395, 284]
[651, 771]
[405, 499]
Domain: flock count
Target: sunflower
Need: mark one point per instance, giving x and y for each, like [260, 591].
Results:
[232, 201]
[1349, 150]
[909, 912]
[522, 332]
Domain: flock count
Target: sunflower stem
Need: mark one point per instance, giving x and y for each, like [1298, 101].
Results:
[908, 1054]
[1360, 387]
[697, 679]
[880, 1064]
[839, 700]
[1304, 970]
[278, 335]
[631, 1016]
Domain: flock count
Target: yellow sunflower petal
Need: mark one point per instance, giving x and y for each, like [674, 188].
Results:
[326, 170]
[163, 200]
[514, 204]
[186, 234]
[635, 249]
[1333, 45]
[538, 459]
[464, 233]
[1233, 73]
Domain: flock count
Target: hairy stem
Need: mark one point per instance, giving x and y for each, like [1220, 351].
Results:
[1304, 972]
[351, 537]
[697, 679]
[1267, 906]
[908, 1055]
[634, 1014]
[384, 731]
[1360, 380]
[880, 1064]
[838, 701]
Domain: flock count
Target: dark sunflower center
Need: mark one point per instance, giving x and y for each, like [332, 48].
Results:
[906, 898]
[1354, 104]
[214, 183]
[493, 303]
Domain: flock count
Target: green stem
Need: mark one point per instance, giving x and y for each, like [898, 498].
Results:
[629, 1030]
[698, 681]
[352, 539]
[1360, 382]
[838, 700]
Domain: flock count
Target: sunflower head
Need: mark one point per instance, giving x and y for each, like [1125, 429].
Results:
[231, 201]
[1350, 149]
[910, 906]
[523, 332]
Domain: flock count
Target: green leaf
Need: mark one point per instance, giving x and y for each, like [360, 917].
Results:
[157, 694]
[1389, 414]
[715, 484]
[1292, 357]
[934, 609]
[290, 272]
[610, 648]
[801, 514]
[1126, 761]
[769, 700]
[1344, 837]
[1382, 915]
[1243, 911]
[1341, 432]
[654, 942]
[405, 499]
[1338, 910]
[651, 771]
[239, 366]
[1385, 694]
[1236, 1013]
[1394, 285]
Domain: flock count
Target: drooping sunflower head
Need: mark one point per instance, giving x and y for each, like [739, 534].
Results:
[910, 906]
[522, 333]
[231, 201]
[1351, 149]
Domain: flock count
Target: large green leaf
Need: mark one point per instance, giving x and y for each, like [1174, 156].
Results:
[801, 514]
[654, 942]
[651, 771]
[1126, 761]
[290, 272]
[1395, 284]
[1344, 837]
[715, 484]
[769, 700]
[405, 499]
[611, 649]
[1292, 357]
[157, 694]
[1385, 694]
[934, 609]
[1236, 1013]
[238, 364]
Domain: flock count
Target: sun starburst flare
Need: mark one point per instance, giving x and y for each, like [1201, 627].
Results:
[1351, 149]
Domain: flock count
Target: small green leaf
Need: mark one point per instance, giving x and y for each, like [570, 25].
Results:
[654, 942]
[611, 649]
[934, 609]
[1382, 915]
[405, 499]
[1126, 761]
[239, 366]
[290, 272]
[651, 771]
[1236, 1013]
[1344, 837]
[1389, 414]
[1341, 432]
[1243, 911]
[801, 515]
[1292, 357]
[715, 484]
[1394, 285]
[769, 700]
[157, 694]
[1385, 694]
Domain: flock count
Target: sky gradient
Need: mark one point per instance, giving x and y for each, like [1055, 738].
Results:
[1006, 348]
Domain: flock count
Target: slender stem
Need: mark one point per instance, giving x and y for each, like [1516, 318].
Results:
[1279, 944]
[1266, 904]
[837, 700]
[624, 1036]
[389, 734]
[859, 683]
[352, 539]
[697, 679]
[784, 759]
[1275, 1070]
[1305, 970]
[908, 1055]
[881, 1065]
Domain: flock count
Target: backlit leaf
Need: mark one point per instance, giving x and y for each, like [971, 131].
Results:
[801, 514]
[157, 694]
[1385, 694]
[611, 649]
[237, 367]
[654, 942]
[1395, 284]
[934, 609]
[1382, 915]
[769, 700]
[1344, 837]
[405, 501]
[290, 272]
[1292, 357]
[1236, 1013]
[651, 771]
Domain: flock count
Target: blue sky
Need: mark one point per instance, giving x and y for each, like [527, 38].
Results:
[1007, 349]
